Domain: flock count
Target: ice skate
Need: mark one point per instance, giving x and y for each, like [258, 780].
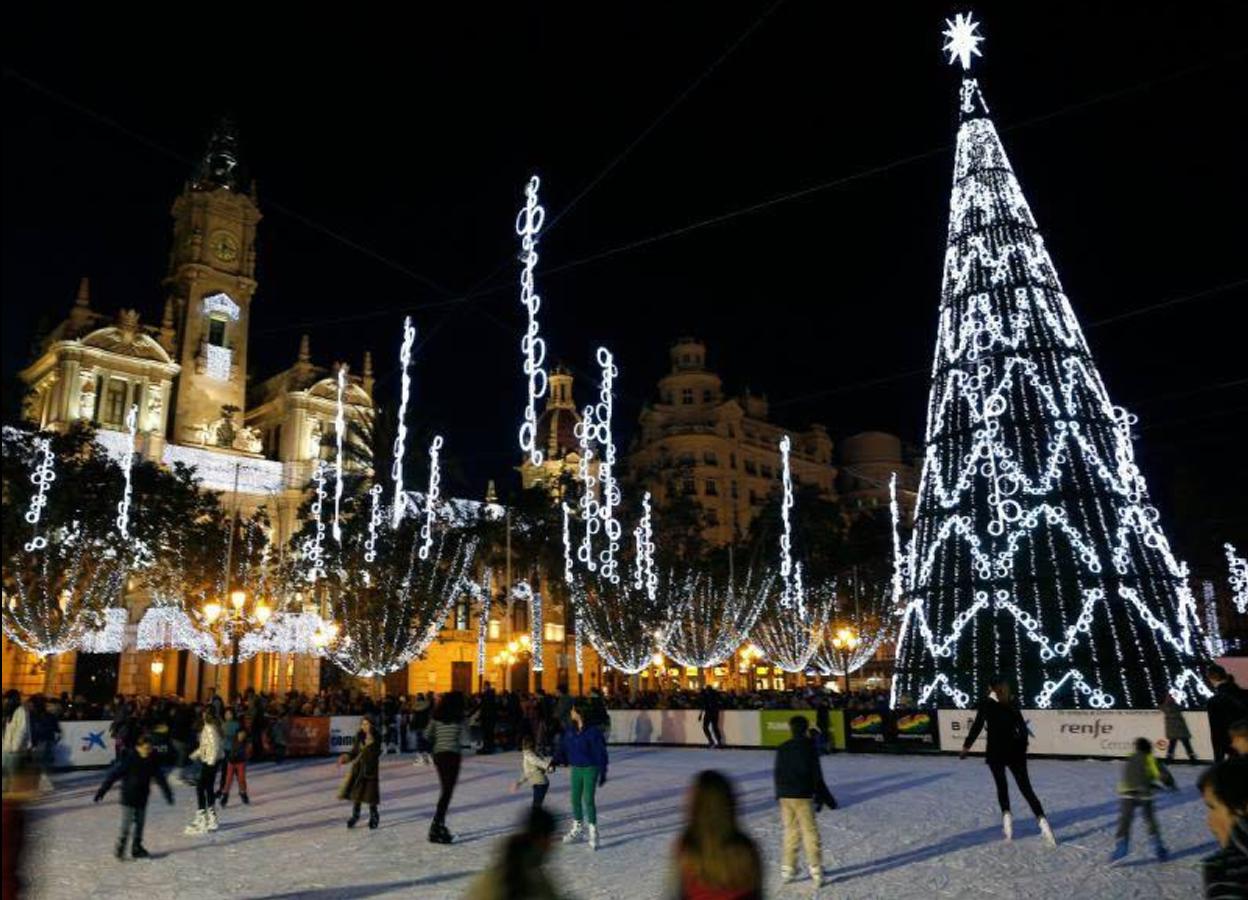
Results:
[1159, 849]
[575, 833]
[355, 817]
[120, 852]
[1047, 831]
[1120, 850]
[242, 795]
[374, 819]
[816, 875]
[223, 799]
[198, 825]
[786, 874]
[593, 837]
[440, 834]
[140, 852]
[211, 820]
[1007, 826]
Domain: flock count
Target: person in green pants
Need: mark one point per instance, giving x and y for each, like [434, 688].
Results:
[584, 749]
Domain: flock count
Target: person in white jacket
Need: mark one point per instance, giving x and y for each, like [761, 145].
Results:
[209, 753]
[533, 768]
[16, 734]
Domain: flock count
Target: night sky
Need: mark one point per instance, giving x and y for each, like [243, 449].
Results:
[390, 157]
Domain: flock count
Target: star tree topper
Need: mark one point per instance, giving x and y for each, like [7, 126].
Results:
[962, 41]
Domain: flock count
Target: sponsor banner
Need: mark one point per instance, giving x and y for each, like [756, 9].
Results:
[309, 736]
[83, 744]
[1078, 732]
[774, 726]
[869, 729]
[342, 732]
[915, 727]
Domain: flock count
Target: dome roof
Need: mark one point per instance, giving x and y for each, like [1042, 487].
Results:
[561, 423]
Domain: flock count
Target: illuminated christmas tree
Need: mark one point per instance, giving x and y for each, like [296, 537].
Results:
[1035, 552]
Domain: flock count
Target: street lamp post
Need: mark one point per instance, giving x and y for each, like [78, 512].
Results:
[228, 627]
[845, 642]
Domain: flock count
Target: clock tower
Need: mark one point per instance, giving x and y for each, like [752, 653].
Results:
[211, 281]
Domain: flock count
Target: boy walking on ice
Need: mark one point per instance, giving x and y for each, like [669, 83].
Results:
[136, 769]
[1140, 776]
[801, 791]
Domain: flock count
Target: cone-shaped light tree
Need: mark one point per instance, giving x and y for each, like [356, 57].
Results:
[1035, 553]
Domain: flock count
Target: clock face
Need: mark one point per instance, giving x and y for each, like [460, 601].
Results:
[224, 246]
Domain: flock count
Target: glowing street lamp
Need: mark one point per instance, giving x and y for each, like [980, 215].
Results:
[844, 643]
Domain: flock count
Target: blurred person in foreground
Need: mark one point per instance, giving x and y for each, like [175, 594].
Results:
[518, 873]
[714, 858]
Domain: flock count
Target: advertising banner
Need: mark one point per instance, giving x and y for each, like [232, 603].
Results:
[342, 732]
[918, 727]
[309, 736]
[83, 744]
[1079, 732]
[868, 730]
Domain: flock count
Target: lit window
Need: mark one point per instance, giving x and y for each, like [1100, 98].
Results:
[115, 402]
[461, 615]
[553, 632]
[496, 629]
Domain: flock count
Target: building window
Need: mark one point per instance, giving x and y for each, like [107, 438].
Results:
[553, 632]
[732, 460]
[712, 517]
[687, 459]
[519, 617]
[216, 332]
[115, 402]
[750, 468]
[712, 489]
[461, 616]
[686, 396]
[496, 629]
[706, 395]
[732, 433]
[688, 487]
[710, 458]
[733, 488]
[766, 470]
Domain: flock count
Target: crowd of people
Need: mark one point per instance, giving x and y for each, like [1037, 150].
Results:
[210, 743]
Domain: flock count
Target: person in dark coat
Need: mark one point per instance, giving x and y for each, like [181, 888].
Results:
[801, 792]
[1177, 731]
[362, 783]
[1228, 704]
[710, 717]
[1224, 788]
[488, 710]
[135, 769]
[1007, 749]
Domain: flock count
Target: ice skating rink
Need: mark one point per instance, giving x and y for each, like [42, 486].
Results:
[908, 827]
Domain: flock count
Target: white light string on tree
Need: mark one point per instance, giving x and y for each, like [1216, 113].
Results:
[127, 463]
[340, 433]
[400, 440]
[1035, 553]
[790, 574]
[1214, 645]
[708, 616]
[431, 496]
[610, 490]
[1238, 577]
[42, 477]
[374, 520]
[528, 223]
[646, 577]
[314, 546]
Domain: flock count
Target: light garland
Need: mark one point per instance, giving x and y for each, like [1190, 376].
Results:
[218, 362]
[528, 223]
[645, 578]
[523, 593]
[216, 471]
[788, 638]
[340, 430]
[790, 574]
[1035, 552]
[1238, 577]
[482, 593]
[431, 496]
[222, 304]
[1214, 645]
[42, 478]
[400, 441]
[374, 519]
[110, 637]
[127, 463]
[314, 547]
[709, 617]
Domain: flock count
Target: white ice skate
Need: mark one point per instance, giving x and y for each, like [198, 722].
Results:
[1007, 826]
[198, 825]
[575, 833]
[593, 837]
[816, 875]
[211, 822]
[1046, 830]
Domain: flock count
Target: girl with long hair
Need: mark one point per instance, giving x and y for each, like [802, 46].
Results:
[1007, 749]
[444, 737]
[362, 784]
[715, 859]
[209, 753]
[584, 750]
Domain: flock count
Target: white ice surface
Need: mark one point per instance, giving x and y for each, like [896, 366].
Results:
[908, 827]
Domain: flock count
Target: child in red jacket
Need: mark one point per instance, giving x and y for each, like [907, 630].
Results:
[236, 765]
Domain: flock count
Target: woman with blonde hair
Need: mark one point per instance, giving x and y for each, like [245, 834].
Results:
[715, 859]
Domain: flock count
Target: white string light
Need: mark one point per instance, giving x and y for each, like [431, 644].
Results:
[42, 478]
[374, 519]
[218, 362]
[790, 575]
[1214, 645]
[340, 431]
[127, 463]
[645, 577]
[431, 497]
[1238, 577]
[528, 223]
[1035, 550]
[314, 547]
[400, 441]
[708, 617]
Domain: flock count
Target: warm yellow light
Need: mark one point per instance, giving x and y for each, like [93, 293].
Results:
[512, 647]
[212, 611]
[238, 599]
[263, 612]
[657, 659]
[158, 666]
[524, 640]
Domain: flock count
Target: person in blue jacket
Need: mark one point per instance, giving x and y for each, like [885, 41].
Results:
[584, 750]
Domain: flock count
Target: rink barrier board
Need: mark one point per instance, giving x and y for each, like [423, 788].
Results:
[1106, 733]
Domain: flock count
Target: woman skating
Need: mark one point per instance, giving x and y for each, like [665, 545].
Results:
[208, 754]
[1007, 749]
[362, 784]
[444, 737]
[584, 749]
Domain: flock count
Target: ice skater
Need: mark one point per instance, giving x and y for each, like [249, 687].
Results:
[584, 749]
[135, 769]
[445, 736]
[1141, 774]
[1007, 749]
[362, 783]
[236, 767]
[1177, 731]
[801, 792]
[709, 717]
[534, 769]
[208, 754]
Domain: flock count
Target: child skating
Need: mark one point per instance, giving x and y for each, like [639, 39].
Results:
[236, 767]
[584, 750]
[1141, 774]
[362, 782]
[534, 770]
[135, 769]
